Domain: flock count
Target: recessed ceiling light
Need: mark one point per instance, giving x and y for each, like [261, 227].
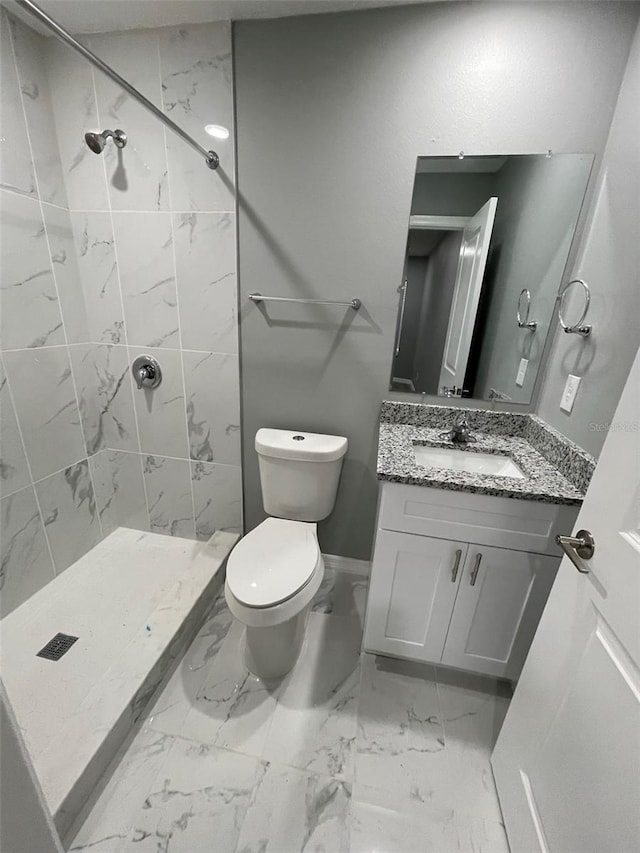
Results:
[217, 131]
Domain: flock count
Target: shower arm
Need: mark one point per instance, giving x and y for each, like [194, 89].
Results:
[211, 158]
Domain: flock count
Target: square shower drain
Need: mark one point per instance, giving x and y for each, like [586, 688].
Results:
[57, 647]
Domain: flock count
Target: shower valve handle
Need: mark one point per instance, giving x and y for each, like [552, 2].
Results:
[146, 371]
[145, 376]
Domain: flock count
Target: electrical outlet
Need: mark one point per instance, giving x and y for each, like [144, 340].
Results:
[522, 372]
[569, 394]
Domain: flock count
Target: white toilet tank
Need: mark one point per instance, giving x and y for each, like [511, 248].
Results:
[299, 472]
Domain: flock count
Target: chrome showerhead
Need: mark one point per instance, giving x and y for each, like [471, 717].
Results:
[97, 141]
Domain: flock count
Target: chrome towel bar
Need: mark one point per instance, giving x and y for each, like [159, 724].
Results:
[258, 297]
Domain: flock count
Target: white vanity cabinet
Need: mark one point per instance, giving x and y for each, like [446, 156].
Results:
[411, 594]
[500, 598]
[461, 579]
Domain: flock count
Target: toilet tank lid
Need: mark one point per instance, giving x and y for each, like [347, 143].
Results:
[302, 446]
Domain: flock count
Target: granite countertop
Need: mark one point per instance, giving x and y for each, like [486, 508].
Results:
[556, 470]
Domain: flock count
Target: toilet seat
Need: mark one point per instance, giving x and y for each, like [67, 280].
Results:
[273, 562]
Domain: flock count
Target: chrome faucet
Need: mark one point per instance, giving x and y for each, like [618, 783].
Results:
[454, 391]
[459, 432]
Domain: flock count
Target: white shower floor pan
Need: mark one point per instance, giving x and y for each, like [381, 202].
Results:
[133, 601]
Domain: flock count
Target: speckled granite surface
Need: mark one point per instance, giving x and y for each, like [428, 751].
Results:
[444, 417]
[556, 470]
[571, 460]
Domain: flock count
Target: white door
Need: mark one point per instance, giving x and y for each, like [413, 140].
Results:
[466, 295]
[567, 762]
[501, 598]
[413, 586]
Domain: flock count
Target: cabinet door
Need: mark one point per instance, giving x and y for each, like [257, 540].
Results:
[413, 587]
[501, 598]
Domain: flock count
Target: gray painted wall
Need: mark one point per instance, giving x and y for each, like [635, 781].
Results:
[609, 261]
[332, 112]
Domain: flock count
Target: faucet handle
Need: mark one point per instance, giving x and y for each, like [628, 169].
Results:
[460, 432]
[146, 371]
[145, 375]
[454, 391]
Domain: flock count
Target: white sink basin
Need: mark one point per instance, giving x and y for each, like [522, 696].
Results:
[465, 460]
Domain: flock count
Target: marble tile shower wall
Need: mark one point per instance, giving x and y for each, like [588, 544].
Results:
[104, 258]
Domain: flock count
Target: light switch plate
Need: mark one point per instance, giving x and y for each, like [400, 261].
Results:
[569, 394]
[522, 372]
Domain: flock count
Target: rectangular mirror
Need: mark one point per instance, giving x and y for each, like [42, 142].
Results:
[488, 241]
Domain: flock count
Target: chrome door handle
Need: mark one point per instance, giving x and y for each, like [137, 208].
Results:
[581, 545]
[456, 566]
[474, 571]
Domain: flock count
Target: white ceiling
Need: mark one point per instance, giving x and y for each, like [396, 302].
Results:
[98, 16]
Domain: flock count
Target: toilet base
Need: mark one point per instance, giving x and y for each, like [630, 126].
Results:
[271, 652]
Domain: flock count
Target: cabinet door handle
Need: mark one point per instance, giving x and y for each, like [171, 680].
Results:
[456, 566]
[474, 570]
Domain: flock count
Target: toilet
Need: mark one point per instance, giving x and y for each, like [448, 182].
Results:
[274, 572]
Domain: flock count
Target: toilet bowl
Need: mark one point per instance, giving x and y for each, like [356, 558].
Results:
[272, 577]
[276, 569]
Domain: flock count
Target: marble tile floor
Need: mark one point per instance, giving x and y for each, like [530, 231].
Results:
[350, 753]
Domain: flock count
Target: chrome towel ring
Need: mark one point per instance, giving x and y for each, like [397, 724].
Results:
[577, 328]
[526, 323]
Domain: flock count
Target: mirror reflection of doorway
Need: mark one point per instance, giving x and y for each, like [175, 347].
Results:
[439, 300]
